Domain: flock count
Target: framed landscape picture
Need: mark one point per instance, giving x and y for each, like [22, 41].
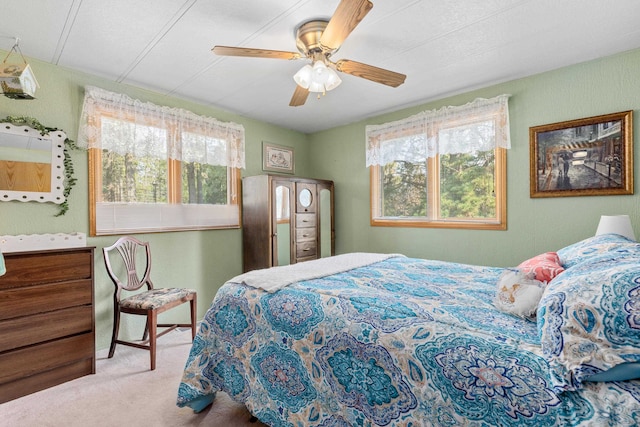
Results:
[585, 157]
[277, 158]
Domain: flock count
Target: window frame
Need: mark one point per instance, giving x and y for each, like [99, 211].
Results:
[433, 192]
[174, 196]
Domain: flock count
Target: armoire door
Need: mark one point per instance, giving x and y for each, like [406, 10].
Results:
[281, 237]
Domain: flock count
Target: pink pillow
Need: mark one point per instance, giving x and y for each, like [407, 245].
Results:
[545, 266]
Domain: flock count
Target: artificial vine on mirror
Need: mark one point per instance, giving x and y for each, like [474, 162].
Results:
[69, 180]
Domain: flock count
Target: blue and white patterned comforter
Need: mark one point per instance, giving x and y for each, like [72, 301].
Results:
[402, 342]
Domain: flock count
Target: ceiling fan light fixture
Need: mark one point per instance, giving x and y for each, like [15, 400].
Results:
[317, 78]
[317, 40]
[304, 76]
[316, 87]
[320, 72]
[333, 81]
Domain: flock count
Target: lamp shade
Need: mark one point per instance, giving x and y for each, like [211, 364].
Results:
[333, 80]
[616, 224]
[303, 76]
[320, 72]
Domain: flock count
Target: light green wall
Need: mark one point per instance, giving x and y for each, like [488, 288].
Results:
[204, 260]
[201, 260]
[534, 225]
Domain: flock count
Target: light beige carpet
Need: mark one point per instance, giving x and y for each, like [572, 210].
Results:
[124, 392]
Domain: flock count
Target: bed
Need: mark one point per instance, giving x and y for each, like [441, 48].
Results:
[388, 340]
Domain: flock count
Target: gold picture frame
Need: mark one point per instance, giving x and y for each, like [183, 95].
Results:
[277, 158]
[585, 157]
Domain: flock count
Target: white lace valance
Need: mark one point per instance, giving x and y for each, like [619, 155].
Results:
[122, 124]
[480, 125]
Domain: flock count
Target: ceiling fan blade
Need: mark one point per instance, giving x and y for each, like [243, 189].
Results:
[369, 72]
[254, 53]
[299, 96]
[346, 17]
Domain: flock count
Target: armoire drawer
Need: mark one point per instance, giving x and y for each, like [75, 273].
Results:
[305, 234]
[306, 249]
[305, 220]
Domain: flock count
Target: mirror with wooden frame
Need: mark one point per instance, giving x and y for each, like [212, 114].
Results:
[31, 164]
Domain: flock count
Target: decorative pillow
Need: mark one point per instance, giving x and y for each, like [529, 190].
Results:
[518, 293]
[545, 266]
[589, 322]
[604, 245]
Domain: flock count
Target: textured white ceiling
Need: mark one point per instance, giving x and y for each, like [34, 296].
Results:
[444, 47]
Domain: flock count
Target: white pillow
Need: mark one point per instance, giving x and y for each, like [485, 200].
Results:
[519, 293]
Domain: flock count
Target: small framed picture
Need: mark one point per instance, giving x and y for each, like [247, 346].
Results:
[585, 157]
[277, 158]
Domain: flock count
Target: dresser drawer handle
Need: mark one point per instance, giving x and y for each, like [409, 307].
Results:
[305, 235]
[306, 250]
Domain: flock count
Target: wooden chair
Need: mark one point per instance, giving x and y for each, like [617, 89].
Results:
[147, 303]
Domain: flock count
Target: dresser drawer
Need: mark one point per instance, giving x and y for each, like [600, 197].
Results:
[28, 330]
[305, 220]
[51, 355]
[306, 249]
[305, 234]
[25, 268]
[42, 298]
[45, 379]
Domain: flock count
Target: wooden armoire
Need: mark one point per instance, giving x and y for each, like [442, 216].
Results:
[286, 220]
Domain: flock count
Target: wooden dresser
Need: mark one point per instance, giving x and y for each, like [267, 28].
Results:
[47, 322]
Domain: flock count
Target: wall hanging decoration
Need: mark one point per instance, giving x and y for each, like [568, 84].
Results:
[35, 162]
[585, 157]
[17, 79]
[277, 158]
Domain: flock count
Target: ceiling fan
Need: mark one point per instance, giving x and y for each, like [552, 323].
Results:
[317, 40]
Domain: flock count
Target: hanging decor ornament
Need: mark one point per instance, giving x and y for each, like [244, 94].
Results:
[17, 80]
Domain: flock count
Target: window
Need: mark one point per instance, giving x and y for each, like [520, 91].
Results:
[155, 168]
[444, 168]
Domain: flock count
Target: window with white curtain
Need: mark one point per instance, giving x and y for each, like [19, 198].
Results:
[155, 168]
[441, 168]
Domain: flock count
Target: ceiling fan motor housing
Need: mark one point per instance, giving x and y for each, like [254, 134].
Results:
[308, 36]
